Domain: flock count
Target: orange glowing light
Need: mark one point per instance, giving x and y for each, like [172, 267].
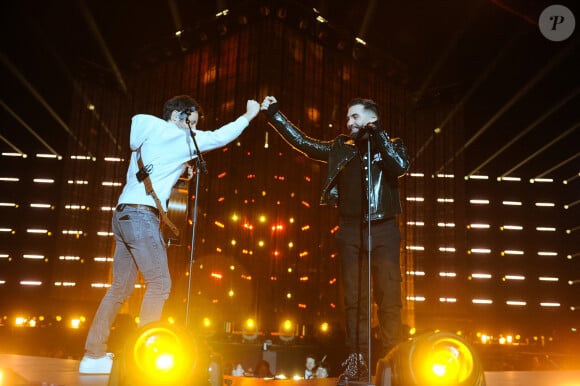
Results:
[313, 114]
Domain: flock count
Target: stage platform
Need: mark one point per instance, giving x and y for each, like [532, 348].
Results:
[21, 370]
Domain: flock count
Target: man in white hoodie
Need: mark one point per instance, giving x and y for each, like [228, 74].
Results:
[164, 146]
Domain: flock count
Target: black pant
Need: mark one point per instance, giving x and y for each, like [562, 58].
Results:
[352, 240]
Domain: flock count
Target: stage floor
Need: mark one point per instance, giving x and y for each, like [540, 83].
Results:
[30, 370]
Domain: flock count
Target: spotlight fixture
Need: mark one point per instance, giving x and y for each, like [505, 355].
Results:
[360, 41]
[430, 360]
[162, 353]
[250, 330]
[286, 331]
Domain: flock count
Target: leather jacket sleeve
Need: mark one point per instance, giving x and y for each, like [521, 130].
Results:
[395, 159]
[312, 148]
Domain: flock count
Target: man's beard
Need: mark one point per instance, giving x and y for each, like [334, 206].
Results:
[352, 134]
[360, 134]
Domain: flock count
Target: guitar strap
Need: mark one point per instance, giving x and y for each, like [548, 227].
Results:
[150, 191]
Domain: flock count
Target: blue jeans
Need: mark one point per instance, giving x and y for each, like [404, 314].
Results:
[352, 242]
[139, 247]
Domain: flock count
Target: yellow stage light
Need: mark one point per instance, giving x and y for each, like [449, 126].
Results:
[250, 330]
[10, 377]
[429, 360]
[162, 353]
[286, 331]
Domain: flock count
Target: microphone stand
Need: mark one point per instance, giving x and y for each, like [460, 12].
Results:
[369, 249]
[369, 241]
[200, 165]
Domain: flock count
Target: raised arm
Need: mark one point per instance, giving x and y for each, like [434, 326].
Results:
[310, 147]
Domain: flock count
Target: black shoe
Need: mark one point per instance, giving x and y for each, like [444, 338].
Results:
[355, 369]
[343, 380]
[363, 369]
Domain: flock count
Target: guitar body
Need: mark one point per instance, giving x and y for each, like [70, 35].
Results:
[177, 212]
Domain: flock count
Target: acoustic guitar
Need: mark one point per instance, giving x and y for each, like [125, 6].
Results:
[177, 211]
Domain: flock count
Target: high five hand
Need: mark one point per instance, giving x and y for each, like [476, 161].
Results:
[268, 101]
[252, 109]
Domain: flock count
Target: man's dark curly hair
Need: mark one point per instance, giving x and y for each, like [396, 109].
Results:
[181, 103]
[368, 104]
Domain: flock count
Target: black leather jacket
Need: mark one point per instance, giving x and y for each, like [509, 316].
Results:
[390, 161]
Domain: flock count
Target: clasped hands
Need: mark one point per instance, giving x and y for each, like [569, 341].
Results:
[253, 107]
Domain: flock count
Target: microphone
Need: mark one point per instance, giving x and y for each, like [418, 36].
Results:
[371, 126]
[366, 130]
[183, 114]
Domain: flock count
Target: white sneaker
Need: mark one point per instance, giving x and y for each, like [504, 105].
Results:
[100, 365]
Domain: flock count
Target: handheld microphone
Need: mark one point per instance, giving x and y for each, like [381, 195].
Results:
[367, 129]
[371, 126]
[183, 114]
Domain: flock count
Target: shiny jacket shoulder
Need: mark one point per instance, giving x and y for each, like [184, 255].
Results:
[389, 162]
